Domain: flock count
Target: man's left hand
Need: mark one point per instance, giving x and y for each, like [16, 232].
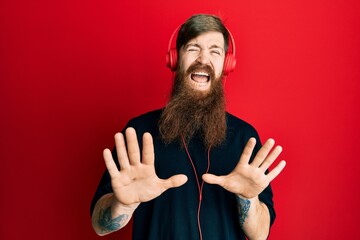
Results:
[249, 179]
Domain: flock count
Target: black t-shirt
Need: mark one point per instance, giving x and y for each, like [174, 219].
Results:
[174, 214]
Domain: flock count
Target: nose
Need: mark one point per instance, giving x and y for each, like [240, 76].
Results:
[203, 58]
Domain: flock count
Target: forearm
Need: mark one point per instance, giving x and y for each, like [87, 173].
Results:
[254, 218]
[109, 215]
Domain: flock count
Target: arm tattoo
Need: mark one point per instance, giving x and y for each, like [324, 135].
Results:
[243, 206]
[108, 224]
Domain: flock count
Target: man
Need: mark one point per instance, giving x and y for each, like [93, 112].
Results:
[190, 170]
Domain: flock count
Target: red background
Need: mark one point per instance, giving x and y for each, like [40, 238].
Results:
[73, 72]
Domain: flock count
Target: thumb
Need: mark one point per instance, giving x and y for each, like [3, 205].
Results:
[175, 181]
[212, 179]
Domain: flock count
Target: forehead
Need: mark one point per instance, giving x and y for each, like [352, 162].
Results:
[209, 39]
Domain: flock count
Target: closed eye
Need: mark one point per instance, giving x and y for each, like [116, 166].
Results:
[216, 52]
[192, 48]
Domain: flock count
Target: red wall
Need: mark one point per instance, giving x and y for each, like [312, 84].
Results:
[73, 72]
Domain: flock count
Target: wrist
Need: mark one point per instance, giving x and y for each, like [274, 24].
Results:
[118, 207]
[248, 206]
[252, 200]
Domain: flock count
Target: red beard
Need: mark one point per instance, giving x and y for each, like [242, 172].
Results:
[191, 112]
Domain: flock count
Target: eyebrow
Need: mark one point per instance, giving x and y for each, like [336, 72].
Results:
[191, 45]
[217, 47]
[214, 46]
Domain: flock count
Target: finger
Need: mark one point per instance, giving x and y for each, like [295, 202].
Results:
[276, 171]
[175, 181]
[263, 152]
[110, 164]
[271, 158]
[148, 149]
[132, 146]
[213, 179]
[121, 151]
[247, 152]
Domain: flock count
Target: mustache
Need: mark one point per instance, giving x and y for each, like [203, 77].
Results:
[199, 67]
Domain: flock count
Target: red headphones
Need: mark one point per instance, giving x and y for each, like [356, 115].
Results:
[229, 62]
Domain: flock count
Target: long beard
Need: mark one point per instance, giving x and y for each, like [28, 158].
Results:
[190, 112]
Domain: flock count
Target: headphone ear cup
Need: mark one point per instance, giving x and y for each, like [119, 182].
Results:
[229, 63]
[171, 59]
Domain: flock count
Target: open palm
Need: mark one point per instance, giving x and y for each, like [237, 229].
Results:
[136, 181]
[250, 179]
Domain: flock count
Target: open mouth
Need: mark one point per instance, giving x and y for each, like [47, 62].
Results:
[200, 79]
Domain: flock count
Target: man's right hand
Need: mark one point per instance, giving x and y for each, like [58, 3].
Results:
[136, 181]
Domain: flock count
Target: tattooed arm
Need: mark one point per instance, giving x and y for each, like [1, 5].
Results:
[109, 215]
[247, 181]
[254, 217]
[135, 182]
